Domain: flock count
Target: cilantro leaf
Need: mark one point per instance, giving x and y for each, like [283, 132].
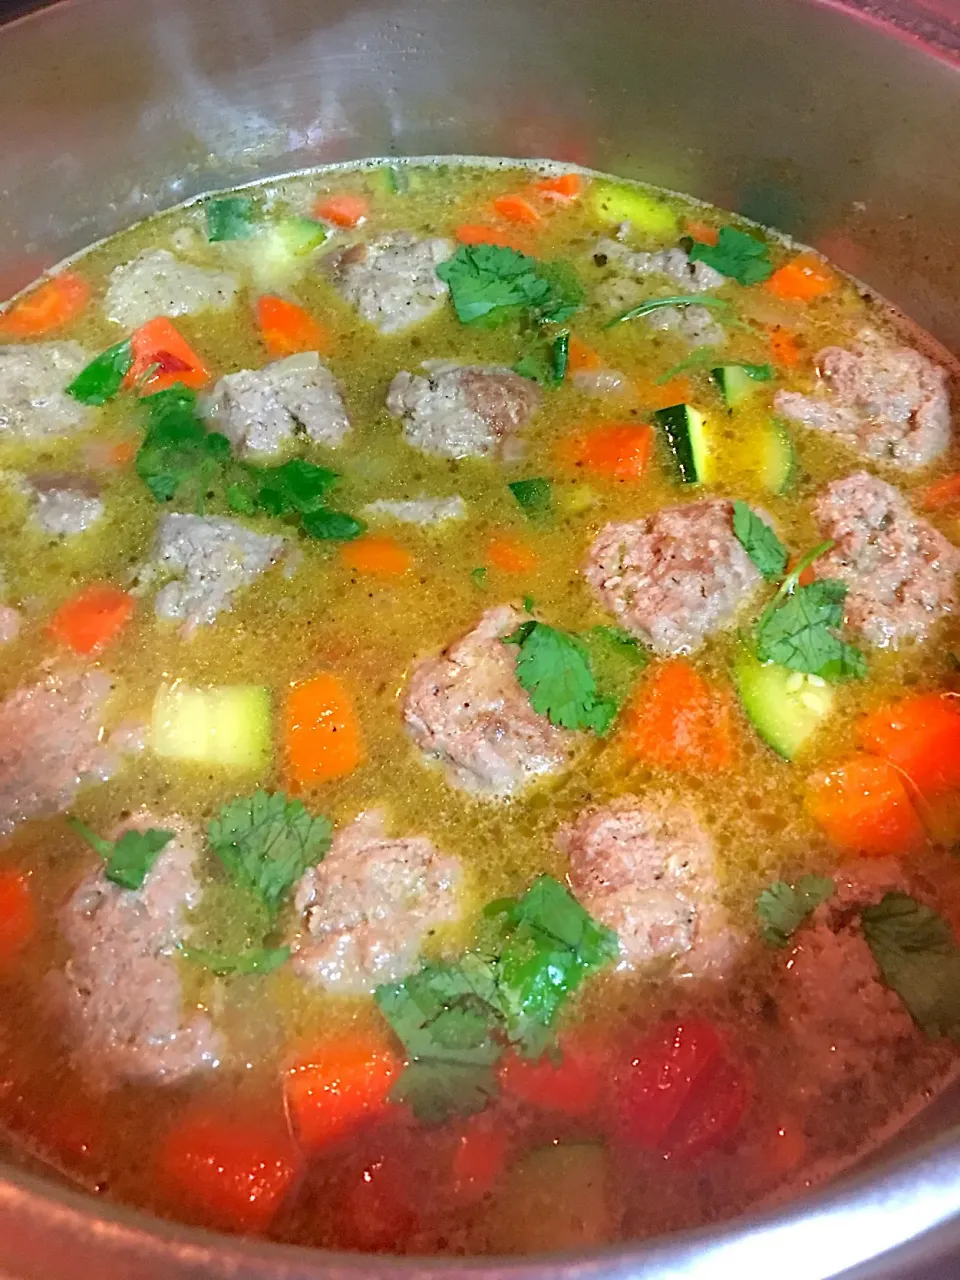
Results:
[800, 634]
[229, 218]
[616, 658]
[332, 526]
[436, 1091]
[295, 487]
[177, 450]
[257, 960]
[103, 377]
[759, 541]
[266, 842]
[535, 496]
[130, 858]
[478, 577]
[491, 283]
[736, 254]
[919, 958]
[782, 908]
[547, 365]
[554, 668]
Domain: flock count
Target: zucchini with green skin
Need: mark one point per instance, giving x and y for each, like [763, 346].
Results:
[225, 725]
[785, 707]
[778, 463]
[685, 431]
[646, 214]
[735, 384]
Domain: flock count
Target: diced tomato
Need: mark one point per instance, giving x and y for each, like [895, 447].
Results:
[573, 1085]
[18, 917]
[91, 619]
[51, 305]
[333, 1087]
[864, 807]
[162, 358]
[480, 1155]
[342, 210]
[677, 721]
[232, 1173]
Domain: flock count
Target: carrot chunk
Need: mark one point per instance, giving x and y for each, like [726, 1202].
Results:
[702, 232]
[678, 722]
[863, 807]
[580, 356]
[564, 189]
[803, 279]
[942, 493]
[511, 555]
[661, 395]
[53, 304]
[482, 233]
[90, 620]
[517, 208]
[378, 555]
[286, 329]
[342, 210]
[162, 357]
[333, 1088]
[619, 451]
[232, 1173]
[921, 736]
[784, 347]
[18, 916]
[321, 731]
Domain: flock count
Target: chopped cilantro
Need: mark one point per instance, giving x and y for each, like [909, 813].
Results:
[616, 658]
[266, 842]
[332, 526]
[177, 452]
[130, 858]
[759, 541]
[918, 957]
[295, 487]
[782, 908]
[478, 577]
[560, 352]
[554, 668]
[736, 254]
[437, 1089]
[491, 283]
[677, 300]
[547, 365]
[535, 496]
[103, 377]
[258, 960]
[229, 218]
[529, 604]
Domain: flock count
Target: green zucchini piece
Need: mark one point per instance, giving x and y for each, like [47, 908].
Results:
[685, 431]
[735, 383]
[228, 726]
[645, 213]
[779, 466]
[785, 707]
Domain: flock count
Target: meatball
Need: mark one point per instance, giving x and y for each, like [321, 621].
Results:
[466, 708]
[65, 505]
[209, 559]
[263, 410]
[899, 569]
[889, 403]
[392, 281]
[462, 411]
[155, 283]
[366, 908]
[674, 578]
[33, 399]
[646, 870]
[120, 992]
[675, 264]
[426, 512]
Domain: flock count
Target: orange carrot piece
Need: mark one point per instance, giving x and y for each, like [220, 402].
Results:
[660, 395]
[480, 233]
[286, 329]
[803, 279]
[921, 736]
[18, 916]
[321, 731]
[90, 620]
[378, 555]
[784, 347]
[53, 304]
[702, 231]
[479, 1158]
[160, 347]
[333, 1088]
[517, 208]
[679, 722]
[565, 188]
[942, 493]
[619, 451]
[580, 356]
[807, 575]
[342, 210]
[863, 807]
[232, 1173]
[510, 554]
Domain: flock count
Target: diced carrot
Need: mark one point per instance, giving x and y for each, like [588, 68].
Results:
[53, 304]
[321, 731]
[580, 356]
[378, 555]
[481, 233]
[863, 807]
[572, 1086]
[703, 232]
[479, 1157]
[109, 455]
[784, 347]
[921, 736]
[619, 451]
[342, 210]
[565, 188]
[510, 554]
[803, 279]
[95, 616]
[677, 721]
[18, 917]
[286, 329]
[334, 1087]
[232, 1173]
[942, 493]
[517, 208]
[162, 357]
[660, 395]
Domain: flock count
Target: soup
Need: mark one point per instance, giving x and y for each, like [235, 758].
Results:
[479, 758]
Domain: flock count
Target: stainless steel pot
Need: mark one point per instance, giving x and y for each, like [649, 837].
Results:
[839, 126]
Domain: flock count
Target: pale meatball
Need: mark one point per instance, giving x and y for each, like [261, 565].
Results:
[155, 283]
[34, 404]
[392, 281]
